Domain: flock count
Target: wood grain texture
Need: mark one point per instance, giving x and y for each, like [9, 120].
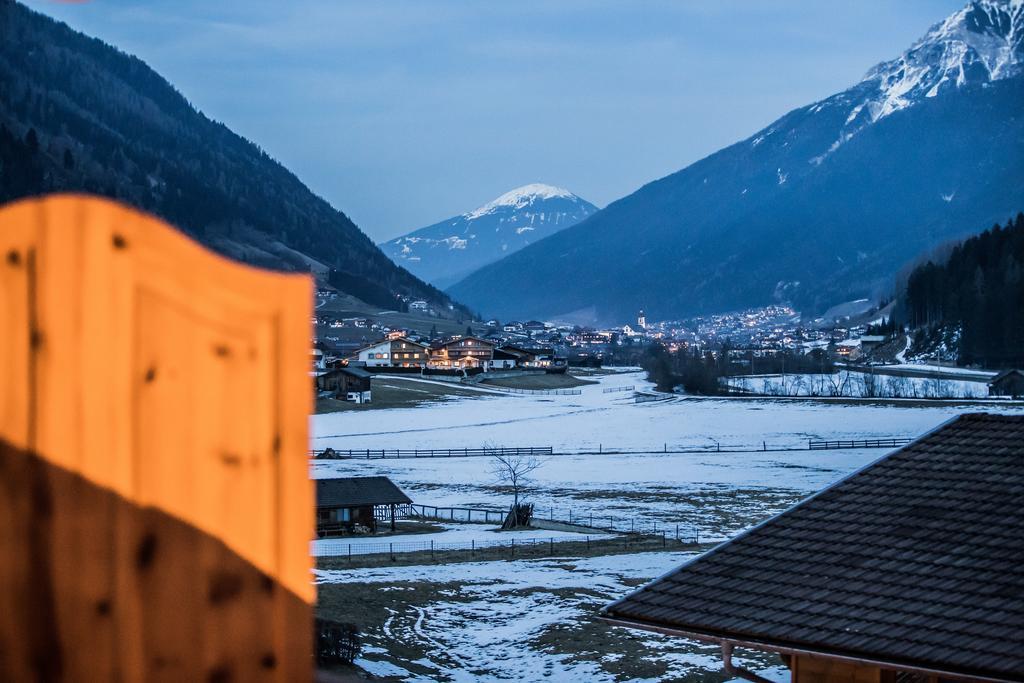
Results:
[156, 507]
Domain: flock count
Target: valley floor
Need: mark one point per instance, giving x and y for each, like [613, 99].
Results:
[535, 619]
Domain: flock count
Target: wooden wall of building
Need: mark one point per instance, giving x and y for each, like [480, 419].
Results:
[155, 505]
[806, 669]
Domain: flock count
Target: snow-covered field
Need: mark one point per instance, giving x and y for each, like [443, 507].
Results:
[944, 369]
[533, 619]
[454, 535]
[595, 419]
[719, 493]
[526, 620]
[862, 385]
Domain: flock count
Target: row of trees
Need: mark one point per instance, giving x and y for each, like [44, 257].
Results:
[978, 290]
[700, 372]
[858, 384]
[697, 372]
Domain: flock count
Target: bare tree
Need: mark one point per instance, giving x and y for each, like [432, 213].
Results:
[514, 471]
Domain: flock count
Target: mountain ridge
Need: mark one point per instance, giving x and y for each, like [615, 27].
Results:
[105, 123]
[788, 214]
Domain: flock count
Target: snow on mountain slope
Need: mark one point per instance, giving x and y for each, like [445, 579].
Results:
[979, 44]
[823, 205]
[446, 252]
[520, 198]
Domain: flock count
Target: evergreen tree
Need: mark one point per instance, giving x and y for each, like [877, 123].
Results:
[32, 140]
[979, 291]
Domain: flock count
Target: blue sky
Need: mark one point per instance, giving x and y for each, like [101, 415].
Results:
[402, 113]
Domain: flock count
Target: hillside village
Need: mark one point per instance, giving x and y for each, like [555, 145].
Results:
[350, 350]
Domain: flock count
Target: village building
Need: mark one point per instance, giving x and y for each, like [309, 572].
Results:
[907, 570]
[1007, 383]
[349, 504]
[814, 345]
[462, 352]
[345, 382]
[535, 358]
[848, 349]
[393, 353]
[502, 359]
[591, 338]
[870, 342]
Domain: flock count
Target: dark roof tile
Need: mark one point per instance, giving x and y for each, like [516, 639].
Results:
[915, 560]
[358, 491]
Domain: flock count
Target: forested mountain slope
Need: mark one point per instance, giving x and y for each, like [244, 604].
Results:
[819, 207]
[79, 115]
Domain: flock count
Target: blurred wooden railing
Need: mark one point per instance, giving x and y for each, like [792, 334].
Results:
[155, 506]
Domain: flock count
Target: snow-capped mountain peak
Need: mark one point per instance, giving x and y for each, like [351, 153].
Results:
[982, 42]
[978, 44]
[522, 197]
[445, 252]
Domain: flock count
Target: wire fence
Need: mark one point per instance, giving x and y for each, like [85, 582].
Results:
[861, 443]
[612, 390]
[540, 392]
[711, 446]
[457, 514]
[380, 453]
[571, 516]
[510, 548]
[647, 398]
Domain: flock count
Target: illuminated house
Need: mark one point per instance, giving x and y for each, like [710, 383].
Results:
[393, 353]
[462, 352]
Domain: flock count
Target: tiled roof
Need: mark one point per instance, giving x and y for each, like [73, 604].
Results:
[356, 371]
[916, 561]
[1004, 374]
[358, 491]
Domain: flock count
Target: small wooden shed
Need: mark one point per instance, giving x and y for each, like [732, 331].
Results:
[1007, 383]
[345, 502]
[346, 382]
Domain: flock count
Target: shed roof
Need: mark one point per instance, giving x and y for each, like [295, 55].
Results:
[1004, 375]
[468, 337]
[915, 561]
[355, 371]
[358, 491]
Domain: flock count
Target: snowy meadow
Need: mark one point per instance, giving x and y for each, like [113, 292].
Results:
[533, 619]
